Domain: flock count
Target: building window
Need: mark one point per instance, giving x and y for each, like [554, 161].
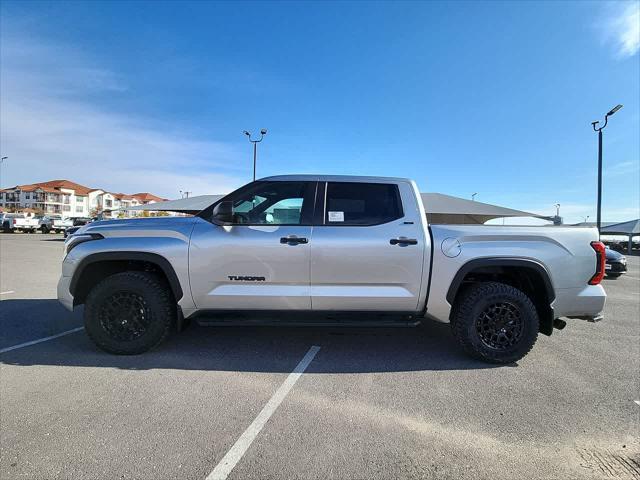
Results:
[79, 208]
[66, 208]
[28, 196]
[108, 203]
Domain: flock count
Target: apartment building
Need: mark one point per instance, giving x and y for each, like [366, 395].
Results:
[70, 199]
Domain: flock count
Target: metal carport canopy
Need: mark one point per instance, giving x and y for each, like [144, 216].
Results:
[446, 209]
[439, 207]
[630, 229]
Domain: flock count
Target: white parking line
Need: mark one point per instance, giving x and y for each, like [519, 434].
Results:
[637, 401]
[233, 456]
[40, 340]
[7, 292]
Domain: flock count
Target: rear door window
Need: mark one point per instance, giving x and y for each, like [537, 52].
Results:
[361, 204]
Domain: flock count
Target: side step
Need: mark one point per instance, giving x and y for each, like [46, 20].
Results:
[304, 319]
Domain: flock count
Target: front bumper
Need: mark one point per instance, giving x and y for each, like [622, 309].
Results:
[615, 268]
[64, 296]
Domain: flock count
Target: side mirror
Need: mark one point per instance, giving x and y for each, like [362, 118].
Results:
[223, 213]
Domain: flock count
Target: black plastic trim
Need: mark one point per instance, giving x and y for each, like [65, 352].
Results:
[153, 258]
[426, 299]
[499, 262]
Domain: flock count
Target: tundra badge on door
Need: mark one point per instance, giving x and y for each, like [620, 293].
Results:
[239, 278]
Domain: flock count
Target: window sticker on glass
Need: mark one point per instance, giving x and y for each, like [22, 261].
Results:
[336, 216]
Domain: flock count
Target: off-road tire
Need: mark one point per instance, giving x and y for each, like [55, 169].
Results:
[152, 296]
[44, 229]
[471, 307]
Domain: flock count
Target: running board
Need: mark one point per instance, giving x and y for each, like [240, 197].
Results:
[304, 319]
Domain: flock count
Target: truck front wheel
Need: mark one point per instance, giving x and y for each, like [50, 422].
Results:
[129, 313]
[495, 322]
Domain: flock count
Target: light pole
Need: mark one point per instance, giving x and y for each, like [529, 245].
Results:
[263, 132]
[557, 205]
[599, 130]
[586, 219]
[2, 159]
[473, 196]
[184, 194]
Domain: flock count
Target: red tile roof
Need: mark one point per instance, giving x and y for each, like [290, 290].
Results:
[148, 197]
[79, 189]
[123, 196]
[54, 186]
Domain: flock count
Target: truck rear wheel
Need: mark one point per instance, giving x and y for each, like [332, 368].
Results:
[129, 313]
[495, 322]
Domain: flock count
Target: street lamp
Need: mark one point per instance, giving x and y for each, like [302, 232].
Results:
[473, 196]
[263, 132]
[2, 159]
[599, 130]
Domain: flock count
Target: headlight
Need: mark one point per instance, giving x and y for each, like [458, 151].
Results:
[75, 240]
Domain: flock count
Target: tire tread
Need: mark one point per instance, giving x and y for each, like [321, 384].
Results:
[463, 314]
[166, 307]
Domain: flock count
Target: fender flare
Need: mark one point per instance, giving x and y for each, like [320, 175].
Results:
[500, 262]
[153, 258]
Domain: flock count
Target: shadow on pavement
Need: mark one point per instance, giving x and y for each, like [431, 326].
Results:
[246, 348]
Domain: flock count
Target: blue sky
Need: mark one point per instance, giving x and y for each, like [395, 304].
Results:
[488, 97]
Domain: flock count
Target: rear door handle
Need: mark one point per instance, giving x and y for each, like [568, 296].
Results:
[293, 240]
[403, 241]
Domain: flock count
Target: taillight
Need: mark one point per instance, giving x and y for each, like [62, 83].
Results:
[601, 258]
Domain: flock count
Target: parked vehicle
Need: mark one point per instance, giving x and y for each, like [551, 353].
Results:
[76, 224]
[25, 223]
[60, 224]
[7, 221]
[309, 244]
[45, 223]
[616, 263]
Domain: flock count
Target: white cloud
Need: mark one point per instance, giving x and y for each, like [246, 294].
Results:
[50, 129]
[622, 168]
[622, 27]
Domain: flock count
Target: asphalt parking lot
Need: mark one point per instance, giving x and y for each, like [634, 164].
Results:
[374, 403]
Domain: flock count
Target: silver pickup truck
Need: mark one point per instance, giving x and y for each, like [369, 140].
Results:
[356, 248]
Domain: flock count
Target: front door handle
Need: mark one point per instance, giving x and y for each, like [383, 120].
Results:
[403, 241]
[293, 240]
